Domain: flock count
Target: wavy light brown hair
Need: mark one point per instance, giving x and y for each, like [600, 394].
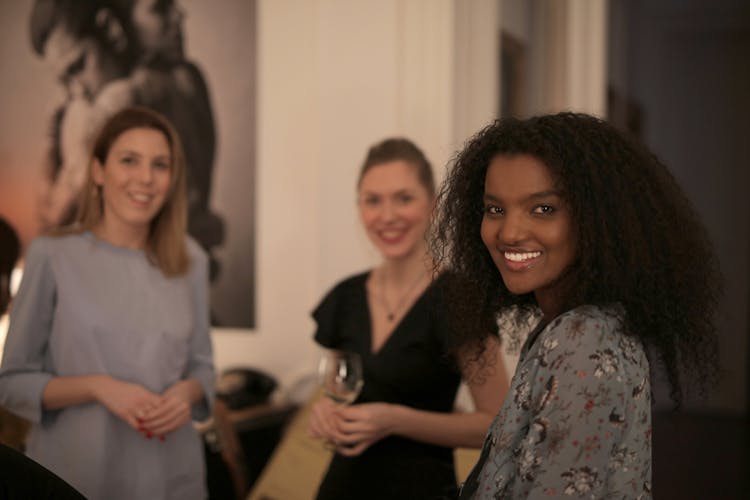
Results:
[165, 245]
[640, 242]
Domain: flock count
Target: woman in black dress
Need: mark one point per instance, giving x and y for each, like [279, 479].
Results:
[397, 439]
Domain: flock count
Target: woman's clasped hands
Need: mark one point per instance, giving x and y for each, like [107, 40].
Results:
[151, 414]
[351, 429]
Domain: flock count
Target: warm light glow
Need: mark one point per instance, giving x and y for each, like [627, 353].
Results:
[15, 282]
[3, 332]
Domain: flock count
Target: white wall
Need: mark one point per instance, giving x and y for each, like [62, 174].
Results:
[334, 76]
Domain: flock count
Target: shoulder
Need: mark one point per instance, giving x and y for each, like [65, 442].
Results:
[196, 253]
[587, 324]
[49, 245]
[341, 294]
[590, 337]
[349, 284]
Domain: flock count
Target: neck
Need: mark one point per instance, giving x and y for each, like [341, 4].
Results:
[402, 272]
[122, 236]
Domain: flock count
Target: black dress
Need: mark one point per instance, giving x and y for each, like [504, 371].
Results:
[411, 369]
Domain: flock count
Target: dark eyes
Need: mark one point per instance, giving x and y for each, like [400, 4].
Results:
[132, 161]
[401, 199]
[544, 209]
[537, 210]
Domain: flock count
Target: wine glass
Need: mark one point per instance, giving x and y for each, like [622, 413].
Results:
[340, 375]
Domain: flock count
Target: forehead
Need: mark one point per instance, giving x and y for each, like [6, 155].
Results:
[391, 176]
[142, 140]
[519, 174]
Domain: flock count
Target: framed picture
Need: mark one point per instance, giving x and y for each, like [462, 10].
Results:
[66, 66]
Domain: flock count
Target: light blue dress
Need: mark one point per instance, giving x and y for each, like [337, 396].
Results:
[86, 307]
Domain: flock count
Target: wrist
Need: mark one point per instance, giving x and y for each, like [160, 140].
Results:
[97, 385]
[395, 415]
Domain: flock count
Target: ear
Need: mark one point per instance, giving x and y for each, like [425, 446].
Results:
[97, 172]
[108, 23]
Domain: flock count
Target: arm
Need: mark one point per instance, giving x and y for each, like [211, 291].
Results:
[192, 395]
[359, 426]
[199, 376]
[27, 386]
[23, 374]
[125, 400]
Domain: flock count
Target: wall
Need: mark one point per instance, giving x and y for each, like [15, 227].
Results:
[333, 77]
[688, 67]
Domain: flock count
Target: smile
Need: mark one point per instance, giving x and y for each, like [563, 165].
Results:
[392, 235]
[141, 198]
[521, 256]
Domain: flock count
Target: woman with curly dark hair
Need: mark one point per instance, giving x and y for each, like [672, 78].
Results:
[564, 219]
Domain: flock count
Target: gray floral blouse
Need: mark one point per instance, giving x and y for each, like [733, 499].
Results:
[577, 419]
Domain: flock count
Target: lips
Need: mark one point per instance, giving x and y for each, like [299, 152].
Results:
[141, 199]
[520, 260]
[392, 236]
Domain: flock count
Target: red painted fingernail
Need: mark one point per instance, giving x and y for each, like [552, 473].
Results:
[162, 438]
[140, 420]
[149, 435]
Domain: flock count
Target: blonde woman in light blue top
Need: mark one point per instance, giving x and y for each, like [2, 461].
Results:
[108, 351]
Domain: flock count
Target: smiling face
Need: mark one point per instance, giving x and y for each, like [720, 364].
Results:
[395, 208]
[527, 228]
[134, 180]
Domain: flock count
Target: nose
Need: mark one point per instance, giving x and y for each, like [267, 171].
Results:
[387, 211]
[145, 174]
[512, 229]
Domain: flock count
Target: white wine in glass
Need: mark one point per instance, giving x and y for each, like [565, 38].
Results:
[340, 375]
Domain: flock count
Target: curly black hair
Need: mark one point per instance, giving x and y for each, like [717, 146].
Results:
[640, 242]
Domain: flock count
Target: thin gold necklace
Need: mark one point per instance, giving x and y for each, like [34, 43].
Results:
[391, 313]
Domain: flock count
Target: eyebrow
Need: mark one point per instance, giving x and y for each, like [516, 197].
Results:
[532, 196]
[136, 153]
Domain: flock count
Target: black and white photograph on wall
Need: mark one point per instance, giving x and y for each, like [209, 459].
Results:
[66, 66]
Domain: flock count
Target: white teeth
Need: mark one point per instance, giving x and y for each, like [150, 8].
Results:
[391, 234]
[144, 198]
[521, 256]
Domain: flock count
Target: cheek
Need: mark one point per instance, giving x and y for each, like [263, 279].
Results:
[417, 214]
[486, 233]
[367, 217]
[563, 239]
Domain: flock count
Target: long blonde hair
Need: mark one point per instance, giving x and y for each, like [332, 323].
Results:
[165, 245]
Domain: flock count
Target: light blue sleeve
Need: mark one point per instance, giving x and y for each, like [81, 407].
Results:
[22, 373]
[200, 363]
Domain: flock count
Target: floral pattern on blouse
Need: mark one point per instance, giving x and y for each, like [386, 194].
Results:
[577, 421]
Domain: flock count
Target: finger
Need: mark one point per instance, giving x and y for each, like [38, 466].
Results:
[321, 426]
[352, 439]
[325, 422]
[350, 427]
[165, 417]
[177, 421]
[352, 451]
